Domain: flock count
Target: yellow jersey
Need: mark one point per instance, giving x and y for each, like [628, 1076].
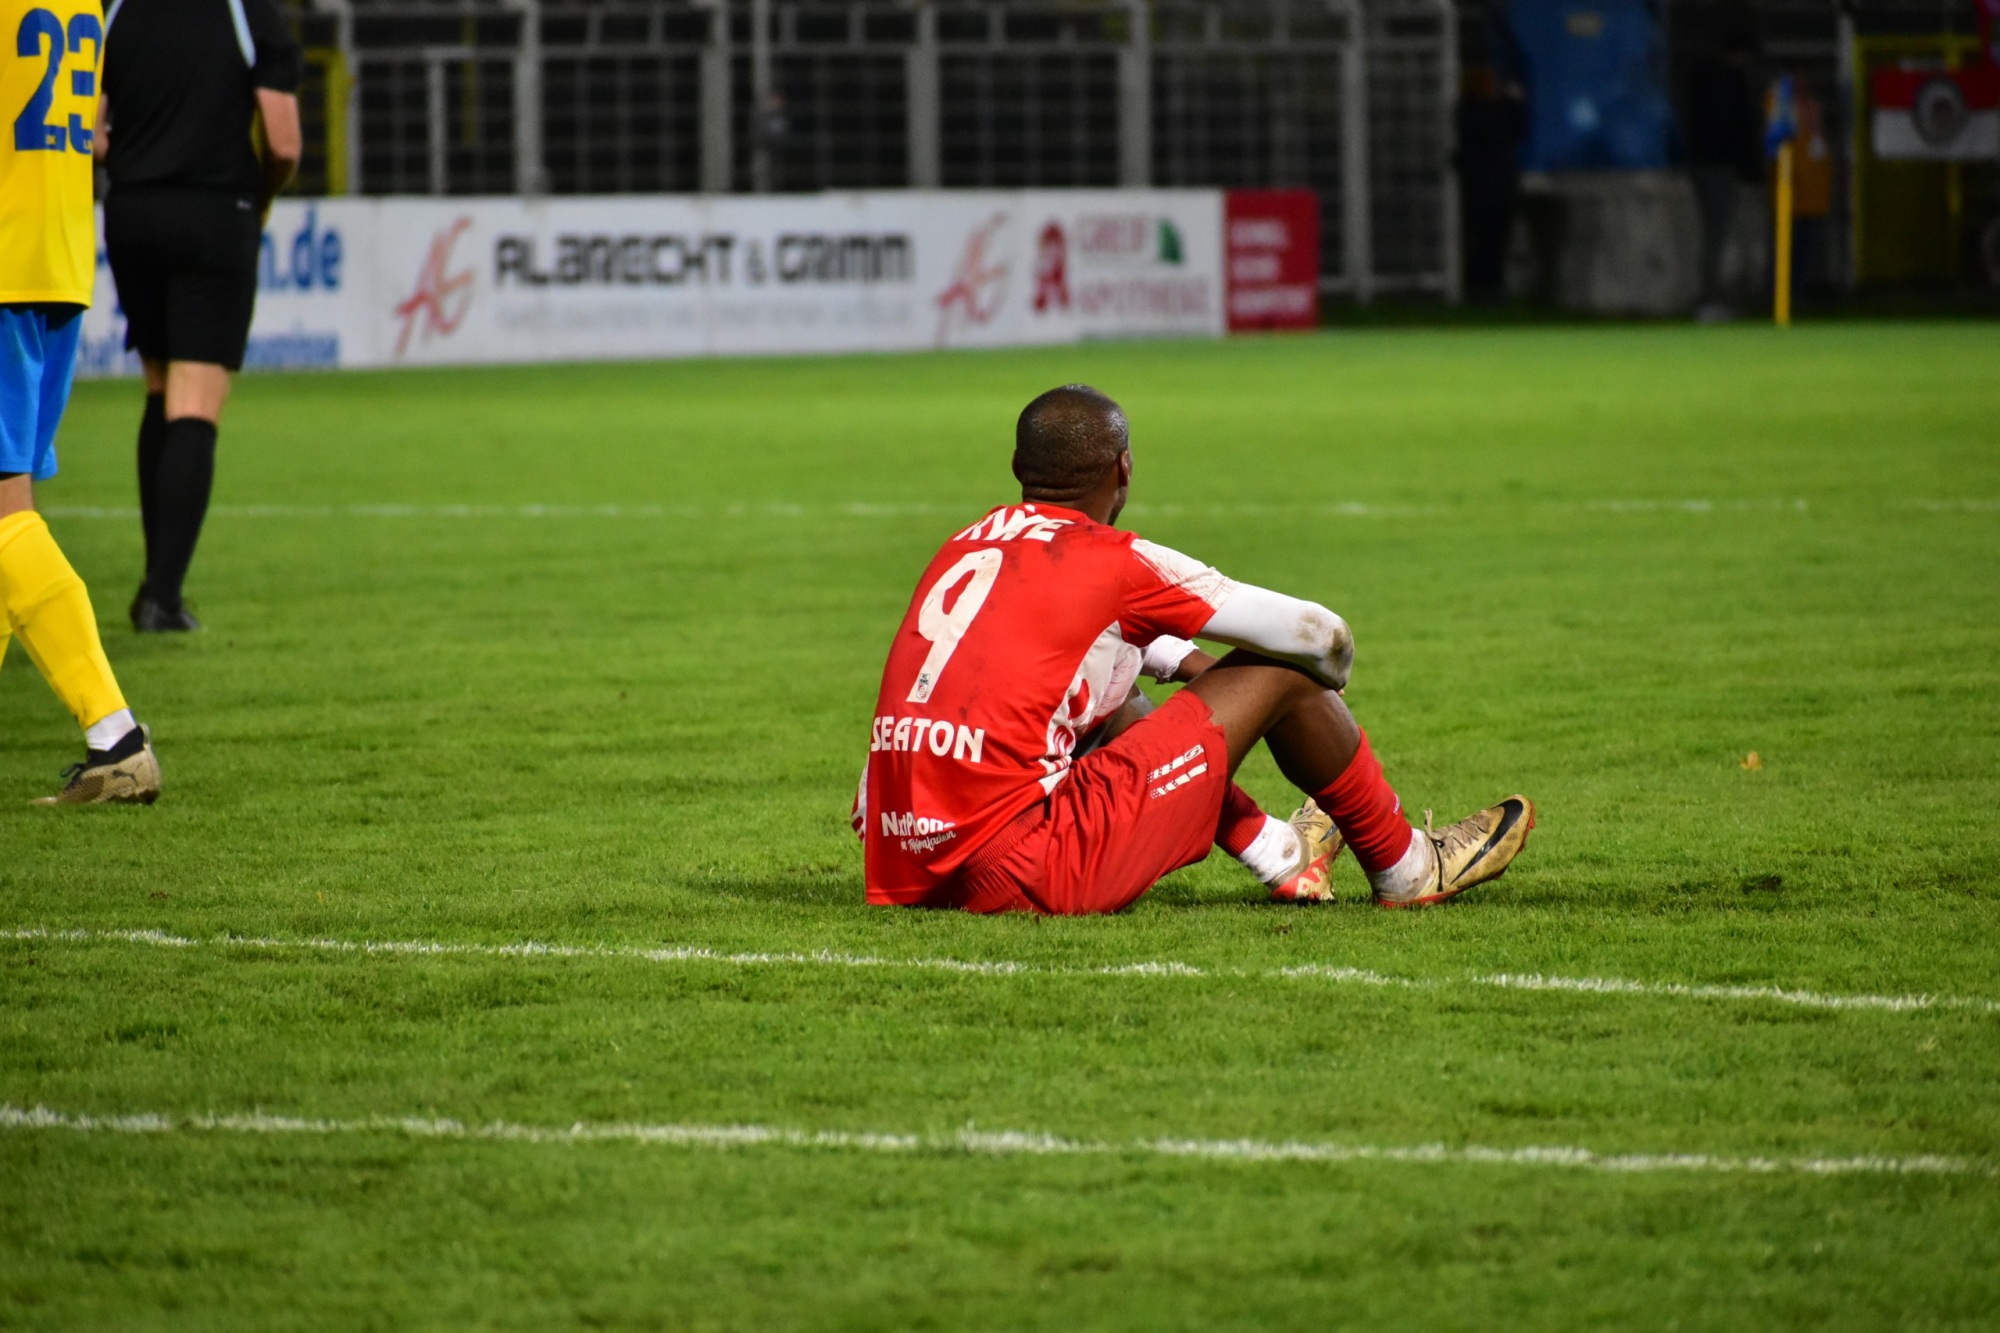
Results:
[48, 118]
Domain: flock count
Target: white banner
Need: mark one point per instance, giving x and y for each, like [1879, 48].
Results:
[1974, 136]
[385, 282]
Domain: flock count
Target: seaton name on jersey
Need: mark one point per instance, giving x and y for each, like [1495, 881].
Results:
[916, 734]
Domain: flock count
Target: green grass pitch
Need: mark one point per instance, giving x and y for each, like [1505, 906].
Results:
[585, 655]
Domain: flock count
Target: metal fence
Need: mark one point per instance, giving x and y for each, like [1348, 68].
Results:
[1351, 98]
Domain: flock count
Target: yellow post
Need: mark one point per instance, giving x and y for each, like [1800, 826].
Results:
[1782, 311]
[338, 86]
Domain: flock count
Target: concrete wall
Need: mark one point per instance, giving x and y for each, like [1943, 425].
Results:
[1629, 243]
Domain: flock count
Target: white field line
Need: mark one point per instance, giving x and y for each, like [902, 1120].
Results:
[1961, 506]
[987, 1143]
[1809, 999]
[1007, 967]
[897, 509]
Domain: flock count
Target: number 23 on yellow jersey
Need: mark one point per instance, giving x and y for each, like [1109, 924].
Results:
[50, 54]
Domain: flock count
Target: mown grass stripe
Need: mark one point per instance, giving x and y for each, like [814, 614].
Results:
[1007, 967]
[970, 1140]
[936, 509]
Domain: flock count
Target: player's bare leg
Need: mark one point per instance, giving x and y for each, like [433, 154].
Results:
[1323, 751]
[1312, 735]
[1292, 857]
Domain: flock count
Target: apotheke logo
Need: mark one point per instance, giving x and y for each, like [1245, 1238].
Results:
[1128, 238]
[1052, 270]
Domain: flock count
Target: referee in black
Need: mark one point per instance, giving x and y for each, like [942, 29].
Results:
[184, 81]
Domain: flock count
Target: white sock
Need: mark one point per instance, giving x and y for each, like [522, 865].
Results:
[108, 730]
[1273, 854]
[1409, 877]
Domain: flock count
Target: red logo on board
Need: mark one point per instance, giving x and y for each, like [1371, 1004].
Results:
[1052, 270]
[439, 303]
[979, 285]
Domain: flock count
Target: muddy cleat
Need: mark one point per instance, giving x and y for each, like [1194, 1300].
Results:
[1475, 849]
[1319, 843]
[127, 773]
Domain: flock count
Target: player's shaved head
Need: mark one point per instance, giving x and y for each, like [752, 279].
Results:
[1068, 440]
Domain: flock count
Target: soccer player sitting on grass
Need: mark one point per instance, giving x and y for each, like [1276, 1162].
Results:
[1014, 766]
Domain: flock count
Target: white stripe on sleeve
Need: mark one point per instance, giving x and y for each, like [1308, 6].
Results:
[244, 42]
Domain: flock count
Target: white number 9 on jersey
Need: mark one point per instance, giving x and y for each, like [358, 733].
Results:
[945, 628]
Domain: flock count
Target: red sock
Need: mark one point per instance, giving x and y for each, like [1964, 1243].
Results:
[1242, 820]
[1367, 811]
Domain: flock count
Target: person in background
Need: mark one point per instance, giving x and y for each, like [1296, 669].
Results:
[184, 81]
[1722, 133]
[1492, 121]
[1812, 191]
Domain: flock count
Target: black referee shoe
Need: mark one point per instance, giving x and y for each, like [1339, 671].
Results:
[151, 616]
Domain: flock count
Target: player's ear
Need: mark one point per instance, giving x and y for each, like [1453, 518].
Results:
[1125, 468]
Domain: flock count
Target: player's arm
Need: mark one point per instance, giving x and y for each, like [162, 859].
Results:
[283, 141]
[858, 815]
[276, 72]
[1169, 589]
[1172, 661]
[1305, 634]
[100, 137]
[1168, 660]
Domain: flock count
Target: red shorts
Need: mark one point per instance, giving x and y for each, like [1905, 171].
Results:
[1128, 814]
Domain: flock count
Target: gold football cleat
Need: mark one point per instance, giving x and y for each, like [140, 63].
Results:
[1319, 843]
[1472, 851]
[128, 774]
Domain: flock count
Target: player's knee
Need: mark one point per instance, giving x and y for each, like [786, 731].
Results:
[25, 598]
[1330, 638]
[33, 569]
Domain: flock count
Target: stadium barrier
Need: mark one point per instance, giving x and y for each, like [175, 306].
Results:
[387, 282]
[1352, 99]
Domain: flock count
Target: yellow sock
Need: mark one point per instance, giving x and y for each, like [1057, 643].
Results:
[47, 605]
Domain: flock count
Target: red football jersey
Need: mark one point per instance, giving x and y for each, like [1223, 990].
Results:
[1025, 631]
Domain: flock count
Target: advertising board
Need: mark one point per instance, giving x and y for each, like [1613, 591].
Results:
[1272, 240]
[1937, 115]
[404, 281]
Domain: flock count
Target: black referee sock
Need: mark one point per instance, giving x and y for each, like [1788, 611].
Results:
[152, 435]
[180, 492]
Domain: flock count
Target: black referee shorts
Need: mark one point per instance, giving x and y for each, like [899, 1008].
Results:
[185, 261]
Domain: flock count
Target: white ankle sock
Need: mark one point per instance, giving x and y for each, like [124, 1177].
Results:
[1410, 876]
[1273, 854]
[108, 730]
